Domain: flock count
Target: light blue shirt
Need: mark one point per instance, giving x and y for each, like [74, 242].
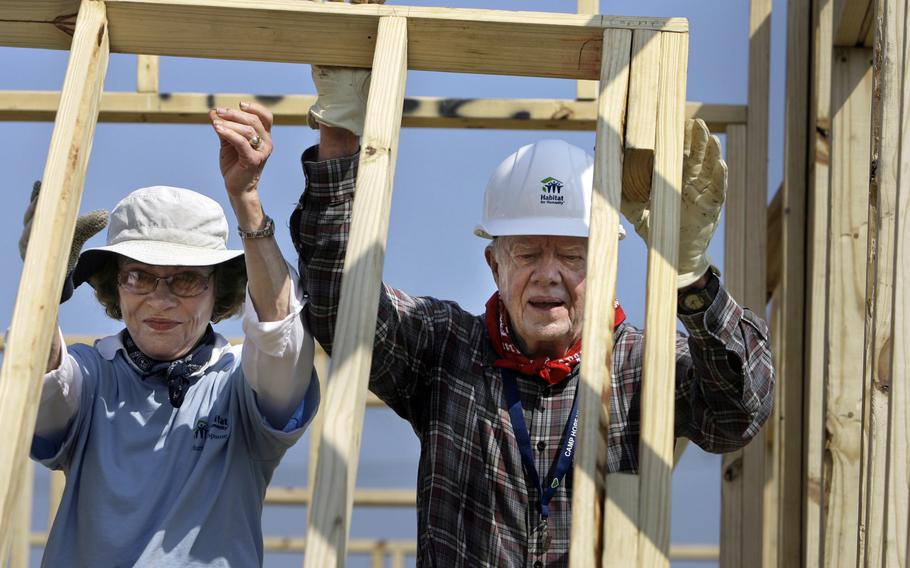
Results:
[151, 485]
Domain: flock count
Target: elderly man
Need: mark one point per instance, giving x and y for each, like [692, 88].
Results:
[492, 397]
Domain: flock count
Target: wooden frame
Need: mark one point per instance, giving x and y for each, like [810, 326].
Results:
[394, 39]
[339, 448]
[35, 311]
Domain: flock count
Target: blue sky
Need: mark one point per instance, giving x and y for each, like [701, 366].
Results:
[439, 183]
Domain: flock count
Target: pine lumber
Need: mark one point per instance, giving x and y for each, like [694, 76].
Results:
[418, 112]
[19, 546]
[790, 240]
[851, 100]
[887, 472]
[658, 390]
[336, 472]
[816, 278]
[638, 151]
[35, 310]
[595, 381]
[56, 484]
[587, 90]
[539, 44]
[620, 529]
[852, 22]
[731, 492]
[758, 489]
[146, 73]
[321, 363]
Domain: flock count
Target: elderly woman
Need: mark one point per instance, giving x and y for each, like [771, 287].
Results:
[167, 434]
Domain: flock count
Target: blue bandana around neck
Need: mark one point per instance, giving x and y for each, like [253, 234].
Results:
[177, 373]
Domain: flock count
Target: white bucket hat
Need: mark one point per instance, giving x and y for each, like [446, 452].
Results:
[542, 189]
[166, 226]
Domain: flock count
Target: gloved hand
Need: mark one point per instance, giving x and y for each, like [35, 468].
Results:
[342, 100]
[87, 226]
[704, 187]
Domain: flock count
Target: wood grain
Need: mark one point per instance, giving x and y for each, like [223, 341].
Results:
[439, 39]
[35, 311]
[595, 382]
[816, 278]
[419, 112]
[345, 403]
[659, 357]
[638, 146]
[851, 101]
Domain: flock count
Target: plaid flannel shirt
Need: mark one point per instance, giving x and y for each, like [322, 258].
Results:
[432, 364]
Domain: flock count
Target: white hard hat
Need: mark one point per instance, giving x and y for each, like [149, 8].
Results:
[542, 189]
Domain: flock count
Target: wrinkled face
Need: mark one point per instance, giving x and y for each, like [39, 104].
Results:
[163, 325]
[541, 281]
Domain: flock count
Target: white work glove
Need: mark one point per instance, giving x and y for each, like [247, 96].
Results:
[342, 93]
[342, 98]
[704, 186]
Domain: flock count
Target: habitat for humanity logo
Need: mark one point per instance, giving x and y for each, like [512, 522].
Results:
[216, 430]
[551, 191]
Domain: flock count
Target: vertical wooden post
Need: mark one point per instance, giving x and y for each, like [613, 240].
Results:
[790, 352]
[887, 360]
[638, 144]
[35, 312]
[735, 228]
[55, 495]
[587, 90]
[816, 278]
[353, 353]
[658, 391]
[321, 363]
[20, 547]
[757, 488]
[147, 73]
[851, 100]
[597, 363]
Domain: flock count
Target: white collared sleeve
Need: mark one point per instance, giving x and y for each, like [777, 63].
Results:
[277, 357]
[60, 393]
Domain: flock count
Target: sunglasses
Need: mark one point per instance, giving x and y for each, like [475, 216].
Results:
[182, 284]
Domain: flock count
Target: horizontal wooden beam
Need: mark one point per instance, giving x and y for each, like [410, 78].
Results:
[439, 39]
[681, 552]
[362, 497]
[419, 112]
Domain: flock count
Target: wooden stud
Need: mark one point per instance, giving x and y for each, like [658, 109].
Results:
[774, 260]
[419, 112]
[620, 529]
[758, 491]
[791, 236]
[898, 490]
[35, 311]
[321, 362]
[147, 73]
[887, 472]
[638, 153]
[595, 381]
[56, 486]
[658, 394]
[816, 278]
[851, 99]
[735, 227]
[339, 451]
[587, 90]
[852, 21]
[18, 540]
[540, 44]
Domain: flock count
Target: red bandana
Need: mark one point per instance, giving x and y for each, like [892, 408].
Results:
[553, 371]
